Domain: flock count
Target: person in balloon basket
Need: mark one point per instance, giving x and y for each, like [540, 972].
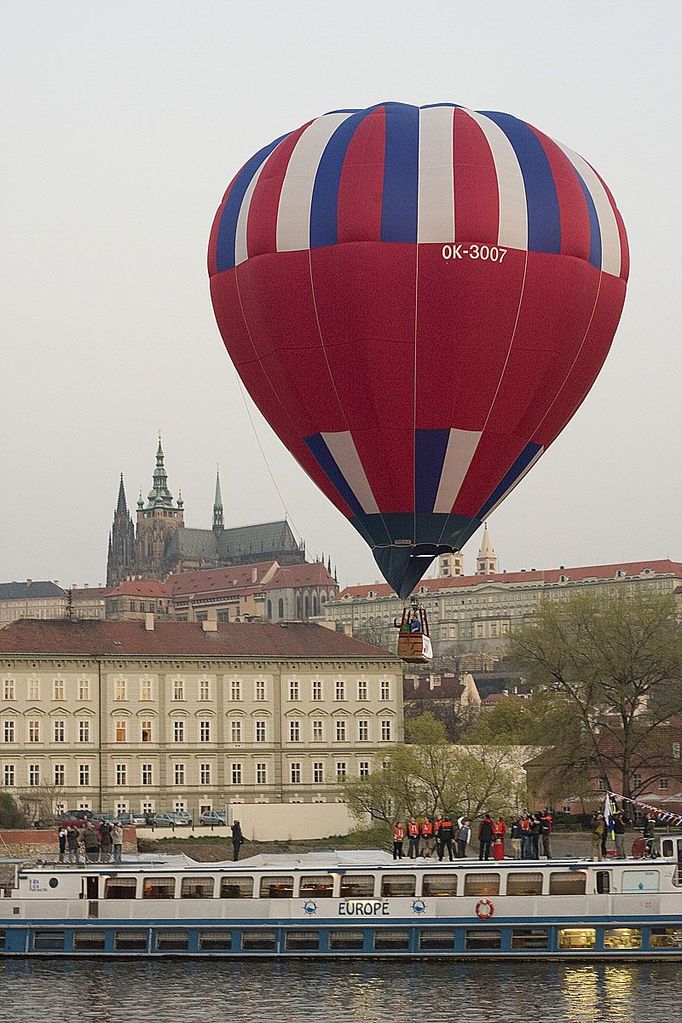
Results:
[485, 837]
[398, 839]
[413, 838]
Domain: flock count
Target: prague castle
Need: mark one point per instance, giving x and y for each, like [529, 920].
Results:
[159, 543]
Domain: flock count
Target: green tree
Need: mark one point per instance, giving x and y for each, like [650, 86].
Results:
[10, 814]
[534, 721]
[616, 662]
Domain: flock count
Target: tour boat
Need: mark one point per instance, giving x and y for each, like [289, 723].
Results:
[349, 904]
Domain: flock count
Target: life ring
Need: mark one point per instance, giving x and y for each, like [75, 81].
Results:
[484, 909]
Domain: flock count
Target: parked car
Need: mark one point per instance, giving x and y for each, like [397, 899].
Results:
[127, 819]
[214, 817]
[176, 819]
[73, 817]
[98, 818]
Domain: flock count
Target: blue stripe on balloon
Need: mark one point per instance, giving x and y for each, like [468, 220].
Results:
[542, 202]
[324, 207]
[510, 477]
[401, 174]
[227, 231]
[595, 230]
[429, 456]
[326, 461]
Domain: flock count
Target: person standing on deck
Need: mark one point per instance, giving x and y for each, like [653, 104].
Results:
[426, 832]
[485, 837]
[463, 837]
[117, 842]
[413, 838]
[62, 843]
[598, 836]
[398, 839]
[445, 832]
[516, 834]
[237, 839]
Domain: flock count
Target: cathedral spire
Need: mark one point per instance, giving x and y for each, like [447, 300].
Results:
[160, 496]
[121, 505]
[486, 562]
[218, 522]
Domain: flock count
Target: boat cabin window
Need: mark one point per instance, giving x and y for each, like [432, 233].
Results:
[530, 937]
[3, 938]
[482, 884]
[89, 941]
[197, 888]
[159, 888]
[48, 941]
[346, 941]
[316, 886]
[524, 883]
[259, 941]
[567, 882]
[442, 885]
[480, 939]
[622, 937]
[130, 941]
[603, 882]
[635, 881]
[172, 941]
[277, 887]
[236, 888]
[120, 888]
[577, 937]
[302, 941]
[436, 939]
[665, 937]
[398, 884]
[215, 941]
[357, 886]
[391, 940]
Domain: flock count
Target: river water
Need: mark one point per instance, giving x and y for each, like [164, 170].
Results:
[186, 991]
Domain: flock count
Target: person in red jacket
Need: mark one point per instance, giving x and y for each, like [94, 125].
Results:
[398, 839]
[499, 831]
[413, 838]
[427, 841]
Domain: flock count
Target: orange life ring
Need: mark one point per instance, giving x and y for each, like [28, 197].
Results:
[484, 909]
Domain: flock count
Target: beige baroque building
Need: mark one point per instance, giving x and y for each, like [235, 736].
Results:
[148, 716]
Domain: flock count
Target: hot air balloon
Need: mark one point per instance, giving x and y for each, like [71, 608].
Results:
[418, 299]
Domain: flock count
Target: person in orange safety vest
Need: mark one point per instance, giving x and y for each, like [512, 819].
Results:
[426, 831]
[398, 838]
[413, 836]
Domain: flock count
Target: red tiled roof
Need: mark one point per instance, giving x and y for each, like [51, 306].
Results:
[81, 592]
[314, 574]
[552, 575]
[218, 580]
[171, 639]
[140, 588]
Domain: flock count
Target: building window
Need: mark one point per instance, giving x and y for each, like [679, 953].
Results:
[121, 774]
[385, 689]
[121, 731]
[294, 731]
[261, 773]
[178, 731]
[294, 690]
[318, 772]
[9, 731]
[59, 774]
[204, 731]
[295, 773]
[363, 730]
[637, 781]
[83, 731]
[84, 774]
[341, 770]
[146, 689]
[59, 731]
[8, 776]
[146, 774]
[204, 774]
[8, 689]
[340, 731]
[340, 689]
[178, 774]
[677, 750]
[260, 731]
[235, 731]
[663, 783]
[363, 769]
[83, 689]
[58, 689]
[178, 690]
[260, 694]
[34, 689]
[120, 689]
[34, 731]
[317, 690]
[236, 773]
[204, 689]
[601, 785]
[146, 731]
[236, 690]
[386, 730]
[362, 690]
[318, 730]
[34, 775]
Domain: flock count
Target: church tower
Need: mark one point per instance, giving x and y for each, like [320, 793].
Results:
[218, 521]
[121, 555]
[156, 521]
[486, 562]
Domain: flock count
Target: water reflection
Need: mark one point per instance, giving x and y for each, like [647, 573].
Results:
[306, 991]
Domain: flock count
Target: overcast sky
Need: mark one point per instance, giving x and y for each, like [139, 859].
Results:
[122, 124]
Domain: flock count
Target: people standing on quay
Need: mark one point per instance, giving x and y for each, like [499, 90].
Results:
[413, 838]
[485, 837]
[117, 842]
[237, 838]
[445, 833]
[398, 839]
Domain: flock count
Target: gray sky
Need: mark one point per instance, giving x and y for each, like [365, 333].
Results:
[122, 124]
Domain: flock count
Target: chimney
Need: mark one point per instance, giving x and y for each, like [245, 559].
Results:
[210, 625]
[254, 575]
[29, 582]
[149, 621]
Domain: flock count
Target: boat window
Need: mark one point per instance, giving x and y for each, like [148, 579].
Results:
[622, 937]
[281, 887]
[357, 886]
[481, 884]
[666, 937]
[635, 881]
[48, 941]
[567, 882]
[316, 886]
[436, 939]
[603, 882]
[442, 885]
[302, 941]
[391, 941]
[120, 888]
[236, 887]
[197, 888]
[346, 941]
[159, 888]
[3, 938]
[89, 941]
[667, 847]
[130, 941]
[524, 883]
[215, 941]
[260, 941]
[480, 939]
[577, 937]
[398, 884]
[172, 941]
[529, 937]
